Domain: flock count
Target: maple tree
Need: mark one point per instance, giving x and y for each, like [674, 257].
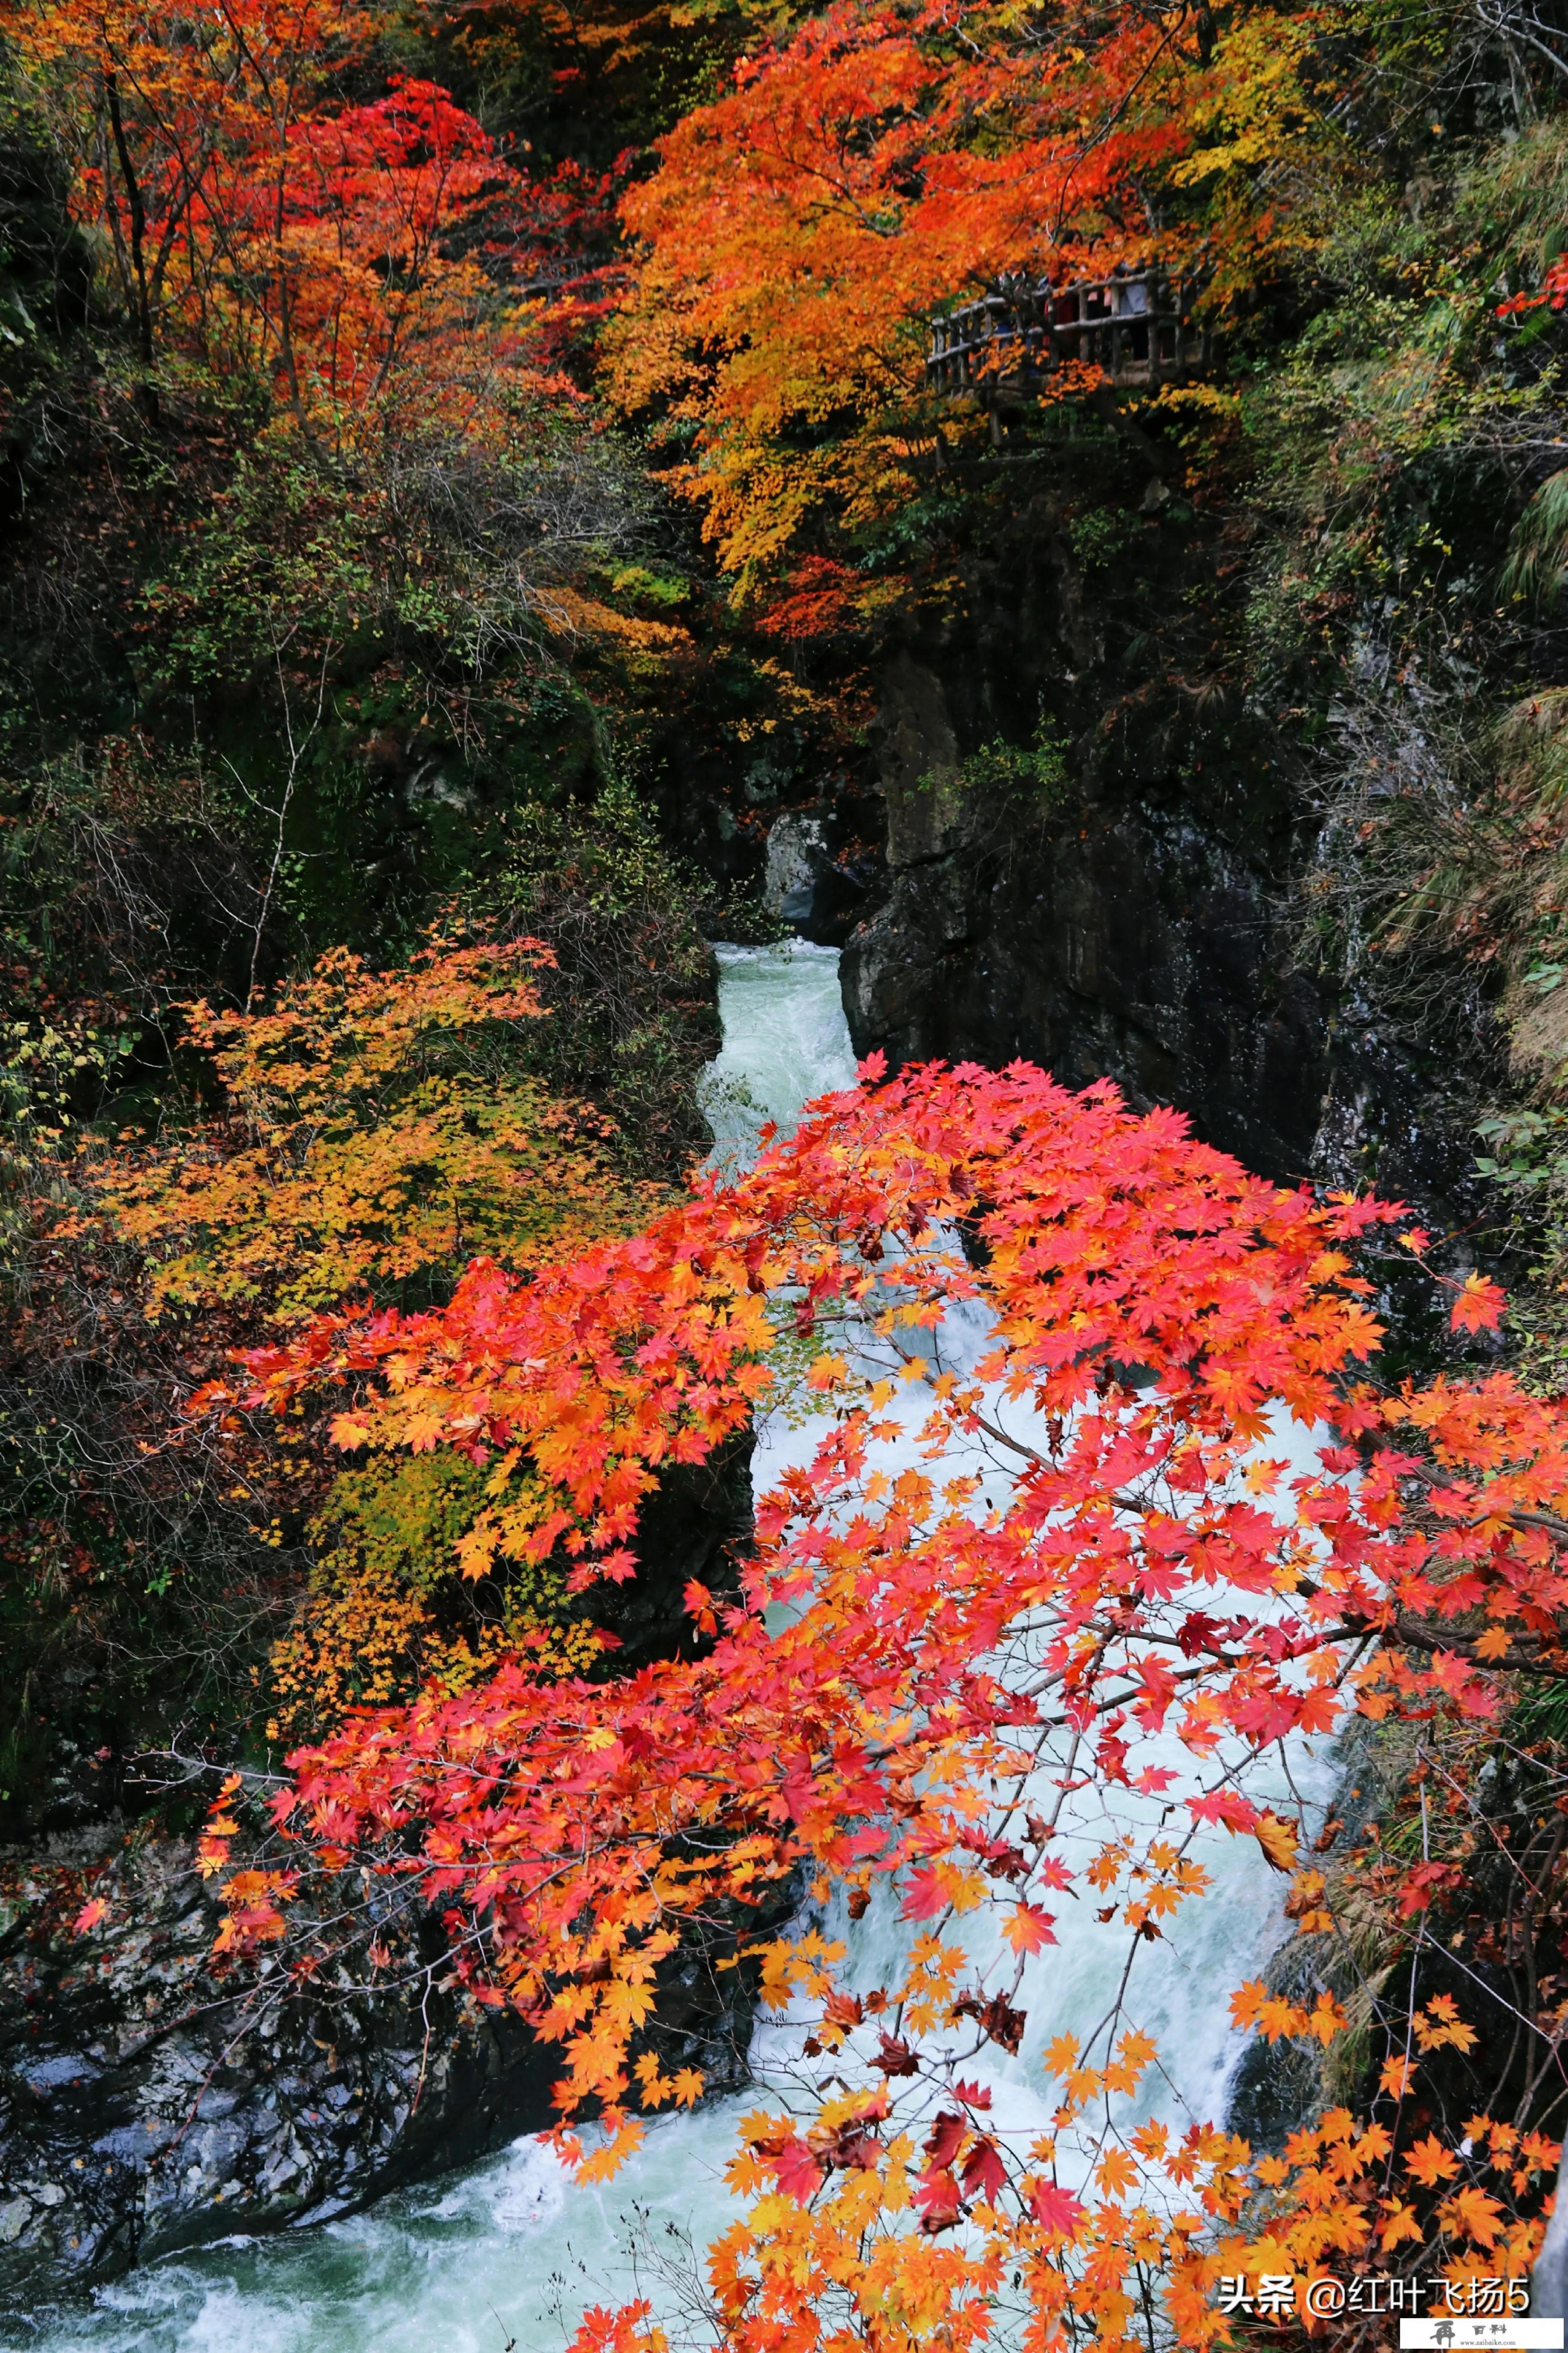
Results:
[383, 1617]
[1066, 1554]
[879, 163]
[255, 221]
[346, 318]
[376, 1128]
[374, 1135]
[1061, 1558]
[371, 1128]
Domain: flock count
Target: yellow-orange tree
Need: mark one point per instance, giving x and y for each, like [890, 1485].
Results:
[377, 1132]
[884, 161]
[376, 1127]
[1023, 1627]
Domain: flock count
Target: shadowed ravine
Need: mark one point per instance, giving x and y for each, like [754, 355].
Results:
[511, 2249]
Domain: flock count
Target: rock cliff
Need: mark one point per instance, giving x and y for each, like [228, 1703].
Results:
[1092, 830]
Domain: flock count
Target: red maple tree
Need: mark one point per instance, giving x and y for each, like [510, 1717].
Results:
[1068, 1552]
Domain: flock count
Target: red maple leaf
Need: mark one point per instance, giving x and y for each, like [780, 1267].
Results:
[1057, 2212]
[799, 2171]
[983, 2175]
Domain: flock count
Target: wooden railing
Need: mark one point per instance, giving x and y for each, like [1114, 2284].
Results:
[1134, 325]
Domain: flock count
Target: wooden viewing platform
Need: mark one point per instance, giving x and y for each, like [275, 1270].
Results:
[1134, 325]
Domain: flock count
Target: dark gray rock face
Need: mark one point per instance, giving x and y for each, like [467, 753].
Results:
[1123, 914]
[1139, 948]
[694, 1524]
[148, 2105]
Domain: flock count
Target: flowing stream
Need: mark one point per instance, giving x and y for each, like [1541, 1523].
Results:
[511, 2249]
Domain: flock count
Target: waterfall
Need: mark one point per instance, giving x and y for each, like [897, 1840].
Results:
[512, 2248]
[785, 1041]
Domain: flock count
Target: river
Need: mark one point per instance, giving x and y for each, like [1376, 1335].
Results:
[512, 2250]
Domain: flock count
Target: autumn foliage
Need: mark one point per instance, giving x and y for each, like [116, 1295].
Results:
[881, 164]
[356, 259]
[1101, 1512]
[1046, 1539]
[353, 1140]
[375, 1131]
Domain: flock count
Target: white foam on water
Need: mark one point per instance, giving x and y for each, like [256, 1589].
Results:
[1180, 1985]
[511, 2247]
[785, 1042]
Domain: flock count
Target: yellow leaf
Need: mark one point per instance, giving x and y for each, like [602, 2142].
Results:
[1399, 2223]
[1278, 1840]
[606, 2162]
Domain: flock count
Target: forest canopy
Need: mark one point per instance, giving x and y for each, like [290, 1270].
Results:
[877, 163]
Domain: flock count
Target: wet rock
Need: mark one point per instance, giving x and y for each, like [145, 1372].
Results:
[151, 2102]
[148, 2105]
[1090, 852]
[796, 856]
[816, 877]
